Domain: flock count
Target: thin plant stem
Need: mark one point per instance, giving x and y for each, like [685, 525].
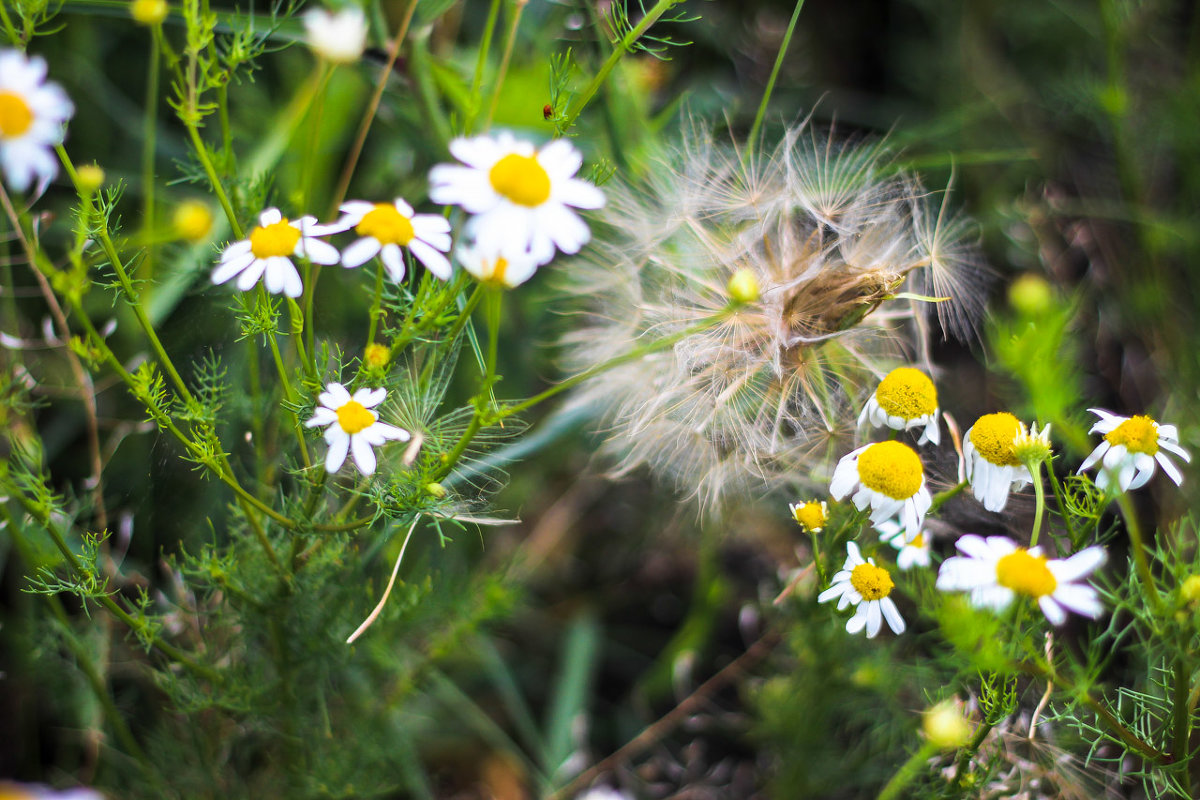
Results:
[288, 392]
[14, 38]
[816, 548]
[360, 139]
[624, 46]
[1061, 501]
[388, 591]
[324, 73]
[376, 305]
[941, 497]
[149, 144]
[908, 771]
[485, 46]
[1181, 717]
[1138, 546]
[214, 180]
[1039, 494]
[510, 41]
[752, 140]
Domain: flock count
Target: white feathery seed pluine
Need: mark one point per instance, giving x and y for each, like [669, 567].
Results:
[759, 399]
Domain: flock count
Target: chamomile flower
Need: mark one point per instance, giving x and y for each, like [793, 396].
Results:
[352, 426]
[888, 478]
[268, 252]
[990, 459]
[32, 114]
[387, 228]
[994, 570]
[338, 37]
[521, 198]
[862, 584]
[905, 399]
[810, 516]
[913, 551]
[495, 269]
[1130, 449]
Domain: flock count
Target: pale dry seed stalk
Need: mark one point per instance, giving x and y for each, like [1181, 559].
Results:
[765, 397]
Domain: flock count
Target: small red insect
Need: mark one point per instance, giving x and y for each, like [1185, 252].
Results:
[547, 111]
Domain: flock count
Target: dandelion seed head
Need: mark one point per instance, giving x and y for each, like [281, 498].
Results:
[765, 395]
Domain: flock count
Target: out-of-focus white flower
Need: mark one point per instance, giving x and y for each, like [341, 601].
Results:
[913, 551]
[32, 115]
[496, 270]
[268, 250]
[27, 791]
[353, 427]
[995, 569]
[386, 228]
[338, 37]
[906, 398]
[520, 198]
[1131, 447]
[860, 581]
[990, 459]
[888, 478]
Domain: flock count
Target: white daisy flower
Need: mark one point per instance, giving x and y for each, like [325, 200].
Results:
[521, 197]
[990, 459]
[32, 115]
[353, 427]
[338, 37]
[889, 479]
[860, 581]
[810, 516]
[1130, 449]
[386, 228]
[496, 270]
[995, 569]
[268, 251]
[905, 399]
[913, 551]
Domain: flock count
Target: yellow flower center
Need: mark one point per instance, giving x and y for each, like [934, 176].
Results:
[993, 436]
[907, 393]
[521, 179]
[918, 542]
[891, 468]
[495, 275]
[278, 239]
[1138, 434]
[354, 417]
[811, 516]
[387, 225]
[872, 582]
[1025, 574]
[15, 115]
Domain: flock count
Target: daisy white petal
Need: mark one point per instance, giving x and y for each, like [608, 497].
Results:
[890, 480]
[905, 399]
[352, 427]
[992, 466]
[1131, 450]
[867, 587]
[32, 118]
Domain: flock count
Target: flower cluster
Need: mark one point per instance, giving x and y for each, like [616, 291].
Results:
[1000, 454]
[519, 198]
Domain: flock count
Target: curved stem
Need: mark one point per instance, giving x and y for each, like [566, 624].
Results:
[518, 7]
[752, 140]
[1039, 493]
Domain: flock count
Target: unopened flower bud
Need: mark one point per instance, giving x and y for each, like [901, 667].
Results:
[377, 355]
[193, 220]
[743, 286]
[1189, 592]
[945, 726]
[1031, 295]
[436, 489]
[91, 178]
[148, 12]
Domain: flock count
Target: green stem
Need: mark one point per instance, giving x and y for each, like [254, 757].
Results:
[519, 6]
[1039, 494]
[941, 497]
[213, 179]
[963, 762]
[14, 38]
[816, 548]
[632, 355]
[1180, 713]
[1061, 501]
[376, 305]
[1138, 546]
[752, 141]
[288, 393]
[485, 46]
[908, 771]
[149, 136]
[325, 72]
[42, 515]
[623, 47]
